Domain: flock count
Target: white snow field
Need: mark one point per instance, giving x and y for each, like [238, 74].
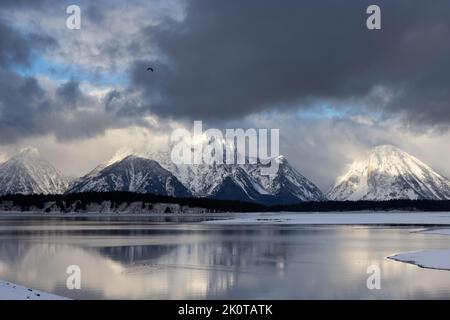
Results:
[12, 291]
[339, 218]
[431, 259]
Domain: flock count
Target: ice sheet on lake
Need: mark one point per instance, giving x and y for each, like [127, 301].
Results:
[12, 291]
[339, 218]
[432, 259]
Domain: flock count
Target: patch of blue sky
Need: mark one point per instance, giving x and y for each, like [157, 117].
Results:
[322, 112]
[60, 73]
[325, 111]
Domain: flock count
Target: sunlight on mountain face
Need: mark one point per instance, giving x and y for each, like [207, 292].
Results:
[388, 173]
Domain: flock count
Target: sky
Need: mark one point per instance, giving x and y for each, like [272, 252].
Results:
[309, 68]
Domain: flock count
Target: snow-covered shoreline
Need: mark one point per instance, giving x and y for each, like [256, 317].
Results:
[392, 218]
[12, 291]
[338, 218]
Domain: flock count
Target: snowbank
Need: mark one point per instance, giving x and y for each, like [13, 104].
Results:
[11, 291]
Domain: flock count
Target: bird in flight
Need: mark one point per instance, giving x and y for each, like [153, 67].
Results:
[150, 69]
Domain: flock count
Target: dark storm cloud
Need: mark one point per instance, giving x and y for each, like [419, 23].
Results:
[27, 109]
[16, 47]
[12, 49]
[233, 58]
[23, 3]
[229, 59]
[70, 95]
[19, 98]
[94, 11]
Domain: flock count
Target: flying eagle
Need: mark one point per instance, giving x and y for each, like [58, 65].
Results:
[150, 69]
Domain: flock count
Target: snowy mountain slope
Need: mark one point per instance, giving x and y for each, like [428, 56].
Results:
[28, 173]
[387, 172]
[226, 181]
[288, 185]
[209, 180]
[134, 174]
[242, 182]
[118, 156]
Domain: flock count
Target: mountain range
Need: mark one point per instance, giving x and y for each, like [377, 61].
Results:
[384, 173]
[217, 180]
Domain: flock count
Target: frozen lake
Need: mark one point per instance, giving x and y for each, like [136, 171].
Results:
[182, 258]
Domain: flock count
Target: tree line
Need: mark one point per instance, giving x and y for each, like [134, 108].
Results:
[80, 201]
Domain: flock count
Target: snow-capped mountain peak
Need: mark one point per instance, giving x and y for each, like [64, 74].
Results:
[133, 174]
[119, 156]
[28, 173]
[288, 185]
[28, 152]
[242, 182]
[385, 173]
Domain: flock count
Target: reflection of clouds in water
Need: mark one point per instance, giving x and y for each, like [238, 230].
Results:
[232, 263]
[3, 267]
[252, 262]
[43, 266]
[192, 268]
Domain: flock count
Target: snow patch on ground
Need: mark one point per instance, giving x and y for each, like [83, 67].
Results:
[12, 291]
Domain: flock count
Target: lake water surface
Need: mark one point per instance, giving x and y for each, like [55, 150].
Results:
[181, 258]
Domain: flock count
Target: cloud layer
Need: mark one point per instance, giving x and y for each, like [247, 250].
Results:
[226, 60]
